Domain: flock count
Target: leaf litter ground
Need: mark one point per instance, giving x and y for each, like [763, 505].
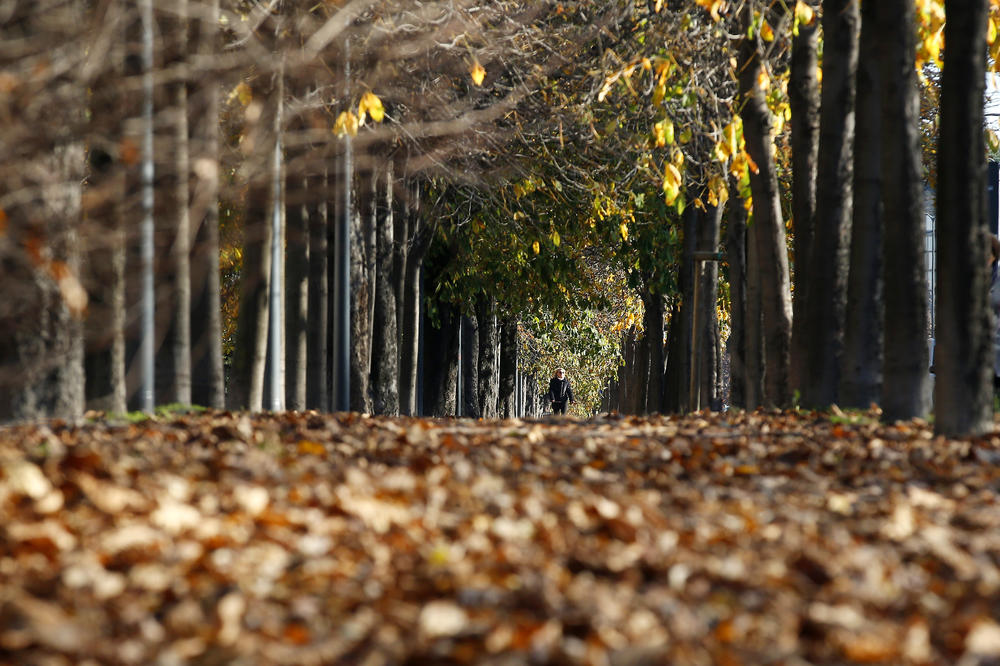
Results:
[301, 538]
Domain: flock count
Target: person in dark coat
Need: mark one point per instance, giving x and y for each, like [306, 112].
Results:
[560, 392]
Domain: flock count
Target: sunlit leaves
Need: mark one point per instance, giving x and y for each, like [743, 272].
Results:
[713, 7]
[346, 124]
[671, 183]
[370, 105]
[241, 92]
[663, 132]
[535, 247]
[477, 72]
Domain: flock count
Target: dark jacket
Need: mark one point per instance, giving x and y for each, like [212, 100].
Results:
[559, 390]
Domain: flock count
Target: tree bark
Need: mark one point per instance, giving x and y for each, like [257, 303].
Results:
[469, 360]
[906, 393]
[103, 240]
[385, 349]
[361, 295]
[296, 281]
[736, 246]
[708, 296]
[803, 98]
[768, 231]
[653, 323]
[829, 253]
[207, 375]
[963, 360]
[41, 347]
[173, 308]
[441, 376]
[318, 330]
[250, 348]
[508, 368]
[489, 371]
[410, 327]
[861, 367]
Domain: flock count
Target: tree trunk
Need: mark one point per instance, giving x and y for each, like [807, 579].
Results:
[803, 98]
[385, 349]
[907, 381]
[361, 295]
[296, 283]
[736, 247]
[249, 352]
[508, 368]
[829, 254]
[410, 325]
[207, 376]
[41, 347]
[963, 359]
[755, 352]
[103, 238]
[173, 307]
[653, 323]
[673, 378]
[469, 368]
[768, 231]
[708, 296]
[488, 387]
[861, 367]
[317, 328]
[441, 376]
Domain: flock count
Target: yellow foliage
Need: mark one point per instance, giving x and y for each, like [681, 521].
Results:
[370, 105]
[536, 248]
[477, 72]
[347, 123]
[804, 14]
[623, 230]
[663, 132]
[243, 93]
[671, 183]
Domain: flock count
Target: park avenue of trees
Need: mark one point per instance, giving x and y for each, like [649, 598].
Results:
[402, 207]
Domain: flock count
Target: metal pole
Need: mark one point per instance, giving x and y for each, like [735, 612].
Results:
[146, 351]
[342, 277]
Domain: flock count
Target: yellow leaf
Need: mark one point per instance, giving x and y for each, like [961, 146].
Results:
[991, 33]
[347, 123]
[992, 140]
[623, 229]
[766, 32]
[536, 247]
[763, 82]
[477, 73]
[312, 448]
[659, 92]
[555, 238]
[242, 92]
[663, 132]
[722, 152]
[804, 14]
[671, 183]
[371, 105]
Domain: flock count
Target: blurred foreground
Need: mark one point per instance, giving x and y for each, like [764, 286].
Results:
[218, 538]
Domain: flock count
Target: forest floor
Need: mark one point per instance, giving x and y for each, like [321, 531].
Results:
[763, 538]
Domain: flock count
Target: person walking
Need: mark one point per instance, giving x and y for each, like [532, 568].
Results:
[560, 392]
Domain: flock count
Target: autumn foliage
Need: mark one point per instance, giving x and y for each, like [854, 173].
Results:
[305, 538]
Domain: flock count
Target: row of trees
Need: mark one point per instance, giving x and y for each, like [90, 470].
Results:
[532, 183]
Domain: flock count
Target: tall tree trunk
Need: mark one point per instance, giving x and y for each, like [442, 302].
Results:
[673, 377]
[173, 314]
[250, 348]
[41, 348]
[640, 371]
[768, 230]
[653, 323]
[385, 349]
[442, 363]
[755, 352]
[103, 238]
[410, 329]
[906, 391]
[296, 282]
[361, 295]
[829, 254]
[803, 98]
[627, 373]
[207, 376]
[736, 247]
[861, 367]
[708, 295]
[487, 389]
[963, 360]
[317, 335]
[508, 368]
[469, 368]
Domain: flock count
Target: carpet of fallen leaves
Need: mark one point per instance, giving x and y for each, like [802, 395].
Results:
[304, 538]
